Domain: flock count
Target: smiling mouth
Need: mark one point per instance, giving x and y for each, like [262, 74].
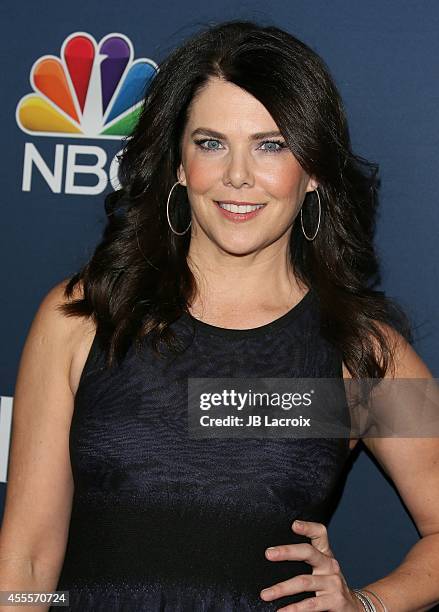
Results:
[240, 209]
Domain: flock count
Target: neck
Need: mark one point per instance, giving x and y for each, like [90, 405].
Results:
[262, 279]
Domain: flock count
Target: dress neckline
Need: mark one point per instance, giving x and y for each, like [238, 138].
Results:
[278, 323]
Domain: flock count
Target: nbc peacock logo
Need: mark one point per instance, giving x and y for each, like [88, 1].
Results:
[92, 90]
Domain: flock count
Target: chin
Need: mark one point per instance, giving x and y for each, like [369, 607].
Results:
[239, 247]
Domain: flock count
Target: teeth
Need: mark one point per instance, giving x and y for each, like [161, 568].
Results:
[240, 209]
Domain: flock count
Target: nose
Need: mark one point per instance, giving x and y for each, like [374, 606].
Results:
[238, 170]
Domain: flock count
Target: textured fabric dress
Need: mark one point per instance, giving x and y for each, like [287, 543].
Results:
[164, 522]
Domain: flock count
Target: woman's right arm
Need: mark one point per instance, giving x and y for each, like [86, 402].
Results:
[39, 490]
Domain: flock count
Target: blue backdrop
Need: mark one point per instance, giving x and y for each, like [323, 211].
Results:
[385, 60]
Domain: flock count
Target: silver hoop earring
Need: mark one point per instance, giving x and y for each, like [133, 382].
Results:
[167, 213]
[318, 224]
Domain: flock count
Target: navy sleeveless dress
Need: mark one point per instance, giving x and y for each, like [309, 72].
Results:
[162, 522]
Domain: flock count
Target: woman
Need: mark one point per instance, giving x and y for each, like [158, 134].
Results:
[205, 270]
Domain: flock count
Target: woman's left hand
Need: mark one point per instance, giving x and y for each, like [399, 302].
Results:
[329, 584]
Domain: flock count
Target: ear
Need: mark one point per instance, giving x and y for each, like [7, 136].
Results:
[312, 184]
[181, 175]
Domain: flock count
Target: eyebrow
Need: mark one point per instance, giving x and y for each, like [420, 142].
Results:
[215, 134]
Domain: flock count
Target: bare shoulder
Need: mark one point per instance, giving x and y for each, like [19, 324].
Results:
[77, 333]
[407, 362]
[82, 335]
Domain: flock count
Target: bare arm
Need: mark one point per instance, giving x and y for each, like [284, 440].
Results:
[413, 466]
[39, 492]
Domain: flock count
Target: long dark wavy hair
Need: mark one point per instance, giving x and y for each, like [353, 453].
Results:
[138, 281]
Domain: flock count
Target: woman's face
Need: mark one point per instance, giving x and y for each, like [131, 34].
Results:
[225, 157]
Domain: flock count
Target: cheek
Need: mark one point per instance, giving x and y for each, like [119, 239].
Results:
[201, 176]
[283, 182]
